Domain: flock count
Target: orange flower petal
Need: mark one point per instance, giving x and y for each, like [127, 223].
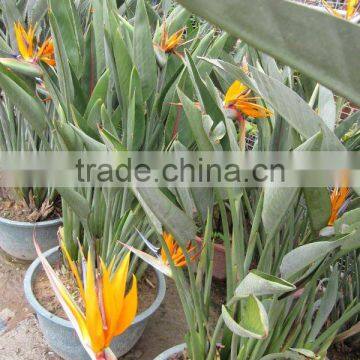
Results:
[129, 309]
[94, 321]
[234, 92]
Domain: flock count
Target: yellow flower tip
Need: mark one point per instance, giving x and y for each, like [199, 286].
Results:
[351, 8]
[234, 92]
[168, 43]
[238, 98]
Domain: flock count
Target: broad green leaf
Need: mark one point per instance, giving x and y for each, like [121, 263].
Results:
[348, 222]
[144, 55]
[194, 118]
[98, 26]
[89, 142]
[70, 29]
[11, 15]
[111, 142]
[277, 201]
[303, 256]
[254, 323]
[319, 207]
[203, 93]
[170, 216]
[124, 66]
[258, 283]
[36, 10]
[135, 125]
[62, 63]
[177, 19]
[76, 202]
[22, 67]
[262, 24]
[346, 125]
[29, 105]
[327, 303]
[100, 92]
[327, 107]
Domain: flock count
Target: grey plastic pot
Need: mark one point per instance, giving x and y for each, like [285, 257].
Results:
[60, 334]
[16, 238]
[171, 352]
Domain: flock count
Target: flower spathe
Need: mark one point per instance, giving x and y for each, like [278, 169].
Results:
[109, 311]
[29, 48]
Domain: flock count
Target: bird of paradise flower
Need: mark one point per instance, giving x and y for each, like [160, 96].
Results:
[108, 311]
[239, 102]
[161, 260]
[30, 50]
[169, 44]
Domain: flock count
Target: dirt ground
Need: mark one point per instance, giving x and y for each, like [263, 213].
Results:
[22, 340]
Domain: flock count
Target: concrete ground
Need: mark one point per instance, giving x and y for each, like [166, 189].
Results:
[21, 339]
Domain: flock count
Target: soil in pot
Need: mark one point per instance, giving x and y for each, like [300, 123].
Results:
[147, 289]
[18, 210]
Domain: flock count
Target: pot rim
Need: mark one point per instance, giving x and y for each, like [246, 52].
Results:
[172, 351]
[24, 224]
[30, 296]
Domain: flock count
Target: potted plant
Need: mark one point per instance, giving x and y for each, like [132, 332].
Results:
[97, 118]
[24, 211]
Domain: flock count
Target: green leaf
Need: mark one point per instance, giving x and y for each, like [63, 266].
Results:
[111, 142]
[22, 67]
[346, 125]
[194, 118]
[77, 202]
[28, 104]
[262, 24]
[254, 323]
[327, 304]
[62, 62]
[258, 283]
[98, 26]
[277, 201]
[303, 256]
[144, 55]
[203, 93]
[99, 93]
[124, 66]
[70, 29]
[319, 207]
[327, 107]
[170, 216]
[349, 222]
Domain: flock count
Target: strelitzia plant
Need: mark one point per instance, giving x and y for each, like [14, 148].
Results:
[109, 311]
